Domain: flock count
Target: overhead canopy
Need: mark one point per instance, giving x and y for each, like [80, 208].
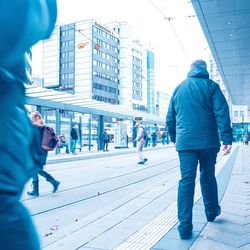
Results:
[226, 25]
[65, 101]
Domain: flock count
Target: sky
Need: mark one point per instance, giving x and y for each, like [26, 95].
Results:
[169, 28]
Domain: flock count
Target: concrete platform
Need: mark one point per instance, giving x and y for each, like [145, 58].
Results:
[158, 229]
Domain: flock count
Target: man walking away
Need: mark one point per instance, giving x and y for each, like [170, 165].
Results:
[140, 142]
[197, 110]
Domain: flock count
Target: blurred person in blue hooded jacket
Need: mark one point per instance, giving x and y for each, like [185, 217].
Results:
[22, 24]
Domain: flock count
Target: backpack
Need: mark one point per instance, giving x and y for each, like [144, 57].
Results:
[50, 139]
[144, 134]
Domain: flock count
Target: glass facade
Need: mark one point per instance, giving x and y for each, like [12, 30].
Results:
[151, 83]
[67, 58]
[105, 74]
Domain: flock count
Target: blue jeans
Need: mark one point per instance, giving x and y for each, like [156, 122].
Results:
[73, 146]
[66, 145]
[188, 165]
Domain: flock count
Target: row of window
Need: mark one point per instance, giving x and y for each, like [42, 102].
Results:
[67, 65]
[67, 76]
[67, 54]
[137, 93]
[139, 107]
[137, 84]
[105, 88]
[106, 77]
[137, 77]
[240, 113]
[105, 99]
[105, 45]
[68, 43]
[105, 66]
[136, 59]
[137, 68]
[105, 34]
[68, 32]
[106, 55]
[135, 51]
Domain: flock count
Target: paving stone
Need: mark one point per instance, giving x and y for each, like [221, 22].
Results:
[234, 219]
[175, 244]
[224, 237]
[227, 226]
[246, 247]
[206, 244]
[237, 212]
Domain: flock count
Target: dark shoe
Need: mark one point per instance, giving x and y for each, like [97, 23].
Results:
[33, 193]
[212, 218]
[185, 236]
[145, 160]
[67, 152]
[140, 162]
[55, 186]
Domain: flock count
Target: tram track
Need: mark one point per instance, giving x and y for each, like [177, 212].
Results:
[170, 185]
[116, 188]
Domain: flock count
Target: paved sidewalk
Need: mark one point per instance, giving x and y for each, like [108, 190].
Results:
[231, 230]
[84, 155]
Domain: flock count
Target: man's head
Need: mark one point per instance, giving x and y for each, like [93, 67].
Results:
[198, 64]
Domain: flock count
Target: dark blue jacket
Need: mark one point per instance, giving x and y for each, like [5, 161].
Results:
[39, 154]
[197, 111]
[22, 24]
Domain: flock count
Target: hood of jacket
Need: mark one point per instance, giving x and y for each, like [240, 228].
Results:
[199, 73]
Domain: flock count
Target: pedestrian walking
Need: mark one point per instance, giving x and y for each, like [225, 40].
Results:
[146, 138]
[154, 135]
[40, 155]
[163, 138]
[22, 24]
[105, 138]
[197, 110]
[245, 139]
[74, 138]
[140, 141]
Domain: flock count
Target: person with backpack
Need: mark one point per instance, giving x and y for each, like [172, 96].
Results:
[22, 24]
[140, 141]
[40, 155]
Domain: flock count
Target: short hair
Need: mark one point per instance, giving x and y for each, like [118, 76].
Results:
[197, 64]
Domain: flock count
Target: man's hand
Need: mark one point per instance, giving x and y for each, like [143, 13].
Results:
[227, 149]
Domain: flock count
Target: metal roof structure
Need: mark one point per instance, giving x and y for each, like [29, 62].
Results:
[65, 101]
[226, 25]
